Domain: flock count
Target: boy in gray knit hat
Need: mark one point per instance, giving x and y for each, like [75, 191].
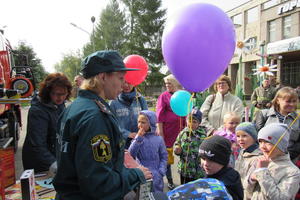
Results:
[215, 152]
[247, 140]
[275, 176]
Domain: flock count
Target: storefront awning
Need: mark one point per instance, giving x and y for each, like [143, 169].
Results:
[282, 46]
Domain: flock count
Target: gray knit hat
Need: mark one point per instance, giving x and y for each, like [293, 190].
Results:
[249, 128]
[216, 148]
[272, 132]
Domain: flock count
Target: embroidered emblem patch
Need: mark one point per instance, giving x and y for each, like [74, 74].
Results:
[207, 153]
[101, 148]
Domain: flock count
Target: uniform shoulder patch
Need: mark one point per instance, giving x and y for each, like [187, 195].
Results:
[101, 148]
[102, 107]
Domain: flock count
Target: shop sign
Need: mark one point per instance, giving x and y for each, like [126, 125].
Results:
[292, 44]
[288, 7]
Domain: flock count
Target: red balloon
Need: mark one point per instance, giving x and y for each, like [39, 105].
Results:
[136, 62]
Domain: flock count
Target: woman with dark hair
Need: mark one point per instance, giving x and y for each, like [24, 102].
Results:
[39, 146]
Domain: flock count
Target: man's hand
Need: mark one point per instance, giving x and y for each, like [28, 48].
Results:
[147, 173]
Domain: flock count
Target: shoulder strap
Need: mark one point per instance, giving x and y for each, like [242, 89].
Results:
[212, 100]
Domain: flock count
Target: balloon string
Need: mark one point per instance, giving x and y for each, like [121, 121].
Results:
[180, 124]
[190, 120]
[291, 124]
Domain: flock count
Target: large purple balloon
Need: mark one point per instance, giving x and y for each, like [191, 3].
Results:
[198, 43]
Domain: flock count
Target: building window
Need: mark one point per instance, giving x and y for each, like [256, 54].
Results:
[252, 15]
[270, 4]
[290, 73]
[252, 43]
[237, 19]
[287, 26]
[272, 31]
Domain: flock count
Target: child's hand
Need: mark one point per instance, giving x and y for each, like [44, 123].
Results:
[177, 150]
[132, 135]
[262, 162]
[141, 132]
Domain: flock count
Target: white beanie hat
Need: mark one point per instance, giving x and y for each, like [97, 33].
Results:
[272, 133]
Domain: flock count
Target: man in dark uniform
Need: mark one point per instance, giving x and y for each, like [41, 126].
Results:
[90, 144]
[262, 96]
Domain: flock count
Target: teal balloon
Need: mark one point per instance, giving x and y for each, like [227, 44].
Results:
[180, 103]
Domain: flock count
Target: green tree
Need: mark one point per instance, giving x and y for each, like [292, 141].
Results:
[138, 31]
[109, 32]
[69, 65]
[24, 55]
[146, 20]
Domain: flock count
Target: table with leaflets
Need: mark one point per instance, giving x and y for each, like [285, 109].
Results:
[44, 189]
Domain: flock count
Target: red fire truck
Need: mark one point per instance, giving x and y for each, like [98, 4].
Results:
[16, 86]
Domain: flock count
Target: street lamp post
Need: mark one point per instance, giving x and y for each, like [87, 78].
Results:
[80, 28]
[91, 35]
[93, 19]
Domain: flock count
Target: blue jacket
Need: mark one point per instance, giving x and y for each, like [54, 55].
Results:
[39, 146]
[126, 108]
[150, 151]
[91, 153]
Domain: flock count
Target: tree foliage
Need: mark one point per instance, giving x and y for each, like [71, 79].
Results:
[137, 29]
[70, 65]
[146, 21]
[24, 55]
[110, 31]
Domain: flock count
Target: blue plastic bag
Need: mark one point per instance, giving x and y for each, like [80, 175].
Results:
[201, 189]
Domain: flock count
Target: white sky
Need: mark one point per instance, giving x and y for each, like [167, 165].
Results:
[45, 24]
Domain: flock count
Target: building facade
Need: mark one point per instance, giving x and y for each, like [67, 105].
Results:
[272, 30]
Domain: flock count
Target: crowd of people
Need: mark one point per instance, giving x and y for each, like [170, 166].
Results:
[83, 144]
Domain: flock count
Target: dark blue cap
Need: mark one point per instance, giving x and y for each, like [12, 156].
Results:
[103, 61]
[197, 114]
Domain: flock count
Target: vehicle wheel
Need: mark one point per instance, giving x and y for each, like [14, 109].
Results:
[14, 130]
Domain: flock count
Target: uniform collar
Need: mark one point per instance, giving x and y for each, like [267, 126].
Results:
[101, 103]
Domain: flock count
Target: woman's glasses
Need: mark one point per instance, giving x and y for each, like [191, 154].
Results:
[222, 83]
